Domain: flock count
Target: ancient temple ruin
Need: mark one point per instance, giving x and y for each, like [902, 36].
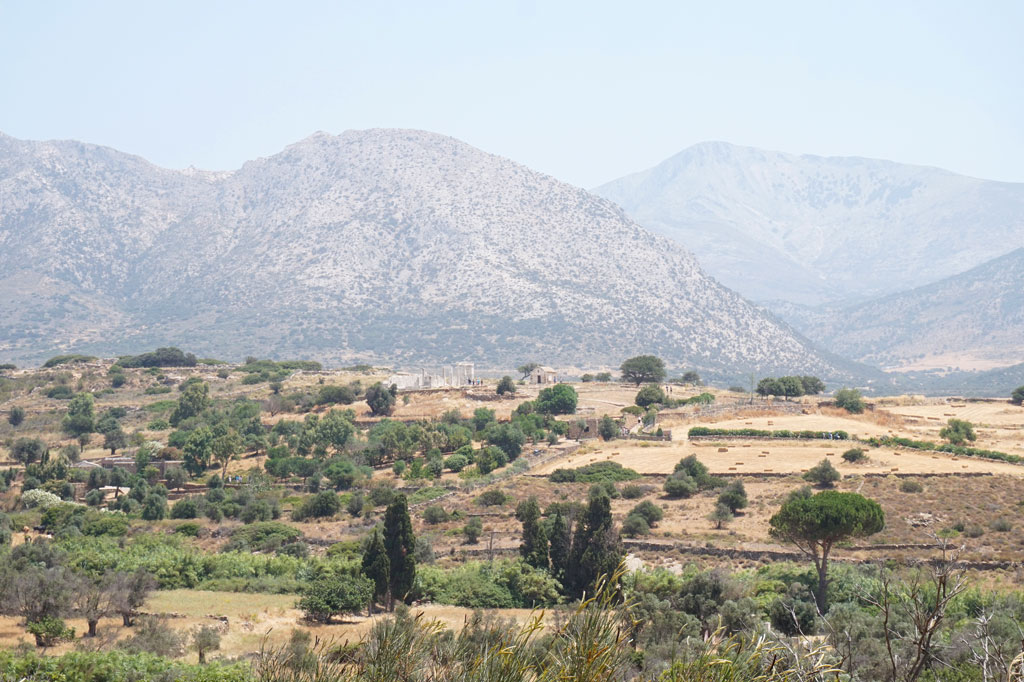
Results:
[454, 376]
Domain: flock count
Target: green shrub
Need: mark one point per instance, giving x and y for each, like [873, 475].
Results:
[959, 450]
[331, 595]
[907, 486]
[650, 512]
[188, 529]
[794, 613]
[60, 392]
[426, 494]
[480, 585]
[16, 416]
[492, 498]
[823, 475]
[958, 432]
[854, 455]
[974, 531]
[597, 472]
[50, 631]
[67, 360]
[322, 505]
[633, 491]
[680, 484]
[635, 526]
[185, 508]
[1002, 525]
[559, 399]
[261, 536]
[707, 432]
[435, 514]
[734, 496]
[651, 394]
[114, 666]
[473, 529]
[456, 463]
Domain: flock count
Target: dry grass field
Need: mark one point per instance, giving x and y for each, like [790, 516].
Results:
[246, 621]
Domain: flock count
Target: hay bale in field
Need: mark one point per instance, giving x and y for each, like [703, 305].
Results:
[723, 449]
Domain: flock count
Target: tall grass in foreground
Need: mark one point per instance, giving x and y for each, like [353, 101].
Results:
[593, 644]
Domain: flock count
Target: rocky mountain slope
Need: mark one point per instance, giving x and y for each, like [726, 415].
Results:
[811, 230]
[971, 321]
[386, 245]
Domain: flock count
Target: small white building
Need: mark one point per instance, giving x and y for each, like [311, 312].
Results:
[543, 375]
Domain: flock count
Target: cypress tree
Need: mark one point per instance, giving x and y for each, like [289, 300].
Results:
[399, 543]
[596, 547]
[534, 548]
[561, 542]
[376, 566]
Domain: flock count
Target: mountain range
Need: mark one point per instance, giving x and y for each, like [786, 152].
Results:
[817, 230]
[971, 321]
[394, 246]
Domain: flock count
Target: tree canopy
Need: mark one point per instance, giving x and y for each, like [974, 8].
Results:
[823, 474]
[525, 369]
[506, 385]
[815, 524]
[381, 399]
[195, 397]
[850, 400]
[649, 395]
[643, 369]
[81, 417]
[161, 357]
[558, 399]
[958, 432]
[790, 386]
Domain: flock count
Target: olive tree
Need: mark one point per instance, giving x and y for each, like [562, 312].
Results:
[381, 399]
[850, 400]
[506, 385]
[815, 524]
[17, 416]
[958, 432]
[331, 595]
[643, 369]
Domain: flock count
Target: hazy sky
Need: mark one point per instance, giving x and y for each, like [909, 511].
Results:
[585, 91]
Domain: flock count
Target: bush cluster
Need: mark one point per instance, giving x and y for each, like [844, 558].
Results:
[704, 432]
